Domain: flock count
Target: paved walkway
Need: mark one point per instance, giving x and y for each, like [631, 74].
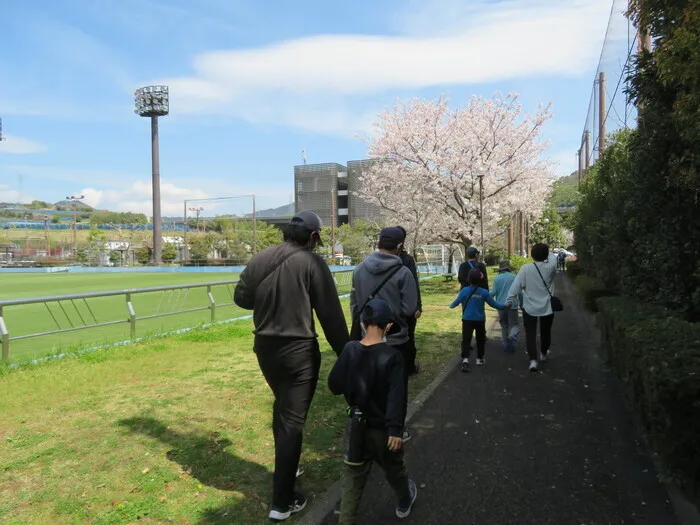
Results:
[503, 446]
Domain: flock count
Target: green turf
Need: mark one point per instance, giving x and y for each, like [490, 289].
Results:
[26, 319]
[175, 430]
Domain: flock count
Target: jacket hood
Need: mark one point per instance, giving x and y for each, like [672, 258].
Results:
[380, 262]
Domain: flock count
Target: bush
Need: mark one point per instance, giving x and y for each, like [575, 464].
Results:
[590, 289]
[517, 262]
[573, 269]
[656, 353]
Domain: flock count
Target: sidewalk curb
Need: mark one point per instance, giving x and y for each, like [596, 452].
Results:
[324, 504]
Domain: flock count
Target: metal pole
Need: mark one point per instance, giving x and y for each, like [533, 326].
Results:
[75, 228]
[587, 146]
[580, 166]
[157, 240]
[601, 113]
[184, 235]
[481, 214]
[332, 227]
[255, 228]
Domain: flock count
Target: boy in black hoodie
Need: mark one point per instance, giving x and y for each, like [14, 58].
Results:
[370, 374]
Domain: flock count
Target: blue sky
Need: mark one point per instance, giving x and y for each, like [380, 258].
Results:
[252, 83]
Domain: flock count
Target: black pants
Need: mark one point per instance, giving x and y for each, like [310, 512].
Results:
[412, 351]
[468, 329]
[530, 322]
[291, 368]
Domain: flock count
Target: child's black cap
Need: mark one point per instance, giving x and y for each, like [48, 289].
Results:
[377, 311]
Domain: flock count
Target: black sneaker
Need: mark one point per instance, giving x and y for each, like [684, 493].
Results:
[416, 369]
[403, 509]
[299, 504]
[406, 437]
[465, 365]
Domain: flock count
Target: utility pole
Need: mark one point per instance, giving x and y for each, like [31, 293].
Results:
[580, 167]
[74, 199]
[46, 235]
[587, 147]
[255, 228]
[481, 213]
[332, 226]
[184, 234]
[601, 113]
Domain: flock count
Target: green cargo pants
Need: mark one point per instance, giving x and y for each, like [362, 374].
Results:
[375, 450]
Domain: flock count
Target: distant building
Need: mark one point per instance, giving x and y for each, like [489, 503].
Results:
[328, 189]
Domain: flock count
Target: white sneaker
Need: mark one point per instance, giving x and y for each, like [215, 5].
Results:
[480, 361]
[544, 357]
[465, 364]
[533, 366]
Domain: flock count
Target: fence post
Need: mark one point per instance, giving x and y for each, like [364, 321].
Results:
[5, 338]
[212, 304]
[132, 315]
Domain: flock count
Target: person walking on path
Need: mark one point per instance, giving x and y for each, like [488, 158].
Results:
[473, 298]
[383, 275]
[508, 318]
[410, 263]
[370, 374]
[561, 260]
[536, 283]
[472, 263]
[284, 285]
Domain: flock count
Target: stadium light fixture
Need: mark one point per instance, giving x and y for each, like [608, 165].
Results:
[154, 102]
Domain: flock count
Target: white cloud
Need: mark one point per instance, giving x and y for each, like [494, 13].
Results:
[8, 195]
[563, 162]
[137, 198]
[20, 146]
[315, 82]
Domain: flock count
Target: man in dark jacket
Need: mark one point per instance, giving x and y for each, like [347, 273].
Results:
[410, 263]
[284, 285]
[398, 289]
[472, 263]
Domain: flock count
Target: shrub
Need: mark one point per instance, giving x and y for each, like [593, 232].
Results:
[656, 353]
[517, 262]
[590, 289]
[574, 269]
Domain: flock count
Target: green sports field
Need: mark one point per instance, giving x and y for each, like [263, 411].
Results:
[26, 319]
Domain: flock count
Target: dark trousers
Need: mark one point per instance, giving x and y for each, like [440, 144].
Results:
[413, 350]
[406, 350]
[468, 329]
[393, 465]
[530, 322]
[291, 368]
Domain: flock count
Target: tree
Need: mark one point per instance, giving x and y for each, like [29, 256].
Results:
[115, 257]
[548, 229]
[169, 253]
[431, 157]
[95, 245]
[143, 254]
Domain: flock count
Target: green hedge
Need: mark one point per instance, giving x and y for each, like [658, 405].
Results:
[590, 289]
[657, 355]
[574, 269]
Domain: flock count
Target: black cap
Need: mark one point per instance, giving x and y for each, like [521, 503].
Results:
[391, 236]
[377, 311]
[310, 221]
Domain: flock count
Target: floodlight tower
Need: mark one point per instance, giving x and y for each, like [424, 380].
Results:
[154, 102]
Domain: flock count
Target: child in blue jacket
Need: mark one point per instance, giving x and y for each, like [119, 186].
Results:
[473, 298]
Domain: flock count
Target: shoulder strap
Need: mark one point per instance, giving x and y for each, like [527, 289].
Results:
[279, 264]
[543, 281]
[378, 288]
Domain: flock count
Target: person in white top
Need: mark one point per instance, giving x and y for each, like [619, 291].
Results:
[536, 282]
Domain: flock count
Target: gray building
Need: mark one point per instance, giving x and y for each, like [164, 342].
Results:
[327, 188]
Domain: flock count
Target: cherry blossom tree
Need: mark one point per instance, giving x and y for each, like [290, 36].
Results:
[432, 156]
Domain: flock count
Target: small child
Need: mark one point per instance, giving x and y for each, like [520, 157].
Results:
[370, 374]
[507, 318]
[472, 298]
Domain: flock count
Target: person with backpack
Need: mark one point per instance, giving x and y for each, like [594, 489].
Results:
[410, 263]
[383, 275]
[473, 299]
[473, 263]
[535, 281]
[370, 374]
[284, 285]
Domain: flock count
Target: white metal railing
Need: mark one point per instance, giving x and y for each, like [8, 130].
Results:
[173, 300]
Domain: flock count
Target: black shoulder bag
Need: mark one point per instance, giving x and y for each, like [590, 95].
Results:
[249, 302]
[356, 329]
[557, 305]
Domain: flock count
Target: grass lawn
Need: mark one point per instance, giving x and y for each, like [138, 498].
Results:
[174, 430]
[37, 318]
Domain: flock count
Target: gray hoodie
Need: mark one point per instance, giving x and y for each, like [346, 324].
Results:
[399, 292]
